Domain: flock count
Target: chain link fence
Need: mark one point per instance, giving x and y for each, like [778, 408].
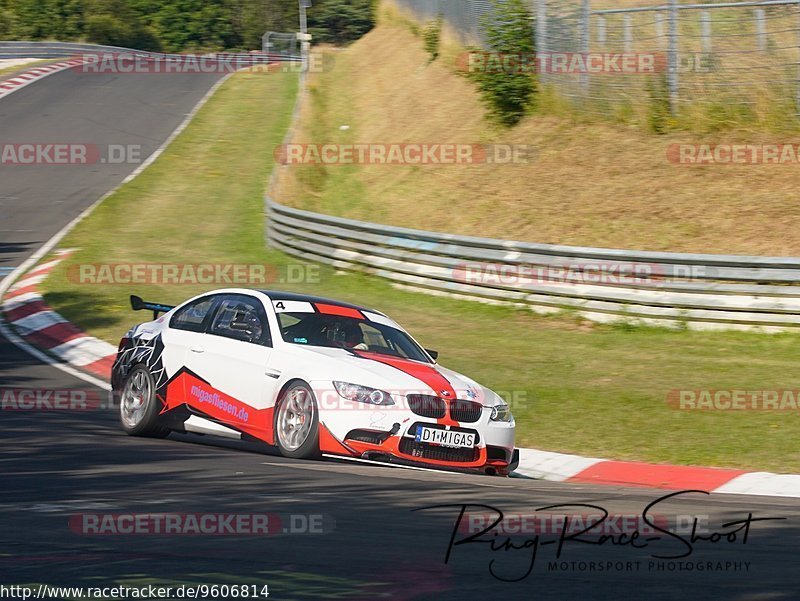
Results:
[718, 61]
[464, 16]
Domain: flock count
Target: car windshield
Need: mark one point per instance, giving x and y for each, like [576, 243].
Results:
[334, 331]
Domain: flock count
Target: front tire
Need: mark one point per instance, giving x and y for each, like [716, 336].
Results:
[297, 423]
[138, 405]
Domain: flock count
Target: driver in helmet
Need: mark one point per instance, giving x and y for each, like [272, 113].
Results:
[347, 335]
[354, 337]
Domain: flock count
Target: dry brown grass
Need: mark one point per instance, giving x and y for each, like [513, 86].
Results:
[591, 184]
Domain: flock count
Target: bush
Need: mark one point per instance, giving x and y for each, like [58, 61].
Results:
[432, 36]
[509, 95]
[659, 114]
[107, 30]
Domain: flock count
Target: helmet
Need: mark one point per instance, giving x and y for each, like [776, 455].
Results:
[346, 334]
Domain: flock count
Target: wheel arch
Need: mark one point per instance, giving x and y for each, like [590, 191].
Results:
[288, 384]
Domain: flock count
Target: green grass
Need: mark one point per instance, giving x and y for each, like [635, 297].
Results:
[18, 68]
[575, 386]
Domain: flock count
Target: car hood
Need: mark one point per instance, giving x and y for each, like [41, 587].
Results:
[392, 374]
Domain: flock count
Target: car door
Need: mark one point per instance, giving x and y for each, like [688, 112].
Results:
[185, 331]
[233, 357]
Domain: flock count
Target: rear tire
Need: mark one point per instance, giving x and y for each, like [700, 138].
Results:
[138, 406]
[296, 423]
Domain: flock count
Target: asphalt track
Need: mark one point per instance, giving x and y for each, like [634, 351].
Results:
[56, 465]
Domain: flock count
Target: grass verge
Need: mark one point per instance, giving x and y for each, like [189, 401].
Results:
[19, 68]
[575, 386]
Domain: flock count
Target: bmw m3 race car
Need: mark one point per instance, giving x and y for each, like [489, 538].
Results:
[308, 375]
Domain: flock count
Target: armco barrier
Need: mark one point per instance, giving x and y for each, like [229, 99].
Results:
[21, 49]
[684, 290]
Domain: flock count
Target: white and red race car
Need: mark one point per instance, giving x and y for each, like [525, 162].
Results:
[311, 376]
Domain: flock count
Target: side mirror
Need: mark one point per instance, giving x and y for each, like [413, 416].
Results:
[434, 354]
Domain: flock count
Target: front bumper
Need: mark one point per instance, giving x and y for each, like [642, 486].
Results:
[389, 432]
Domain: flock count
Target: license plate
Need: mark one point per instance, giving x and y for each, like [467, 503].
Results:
[445, 438]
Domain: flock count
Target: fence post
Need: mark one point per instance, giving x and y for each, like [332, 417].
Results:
[798, 61]
[761, 29]
[705, 21]
[601, 31]
[658, 19]
[672, 56]
[541, 26]
[586, 15]
[628, 32]
[541, 34]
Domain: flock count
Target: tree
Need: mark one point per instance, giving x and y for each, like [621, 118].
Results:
[68, 19]
[106, 30]
[253, 18]
[179, 25]
[34, 19]
[8, 22]
[341, 21]
[118, 23]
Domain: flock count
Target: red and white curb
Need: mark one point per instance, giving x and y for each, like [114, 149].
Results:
[560, 467]
[24, 309]
[9, 86]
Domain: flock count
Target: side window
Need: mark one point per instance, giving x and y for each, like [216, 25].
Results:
[242, 318]
[192, 317]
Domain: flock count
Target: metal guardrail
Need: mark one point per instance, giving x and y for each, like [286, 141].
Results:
[25, 49]
[686, 290]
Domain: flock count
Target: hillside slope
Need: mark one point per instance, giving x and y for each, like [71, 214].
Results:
[590, 183]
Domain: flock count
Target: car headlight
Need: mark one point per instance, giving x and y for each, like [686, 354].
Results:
[501, 413]
[363, 394]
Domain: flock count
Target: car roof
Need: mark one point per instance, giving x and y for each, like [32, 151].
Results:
[279, 295]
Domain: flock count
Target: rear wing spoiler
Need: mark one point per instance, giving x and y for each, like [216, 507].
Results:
[137, 304]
